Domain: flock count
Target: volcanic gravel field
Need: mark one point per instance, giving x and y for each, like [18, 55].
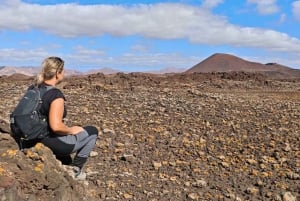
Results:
[213, 136]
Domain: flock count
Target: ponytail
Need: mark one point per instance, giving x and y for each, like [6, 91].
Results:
[39, 79]
[50, 67]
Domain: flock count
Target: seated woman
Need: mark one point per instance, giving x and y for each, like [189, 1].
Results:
[63, 140]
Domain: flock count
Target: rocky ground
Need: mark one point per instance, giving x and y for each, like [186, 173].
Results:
[215, 136]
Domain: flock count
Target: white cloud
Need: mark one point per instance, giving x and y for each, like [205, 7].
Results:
[296, 9]
[160, 21]
[265, 7]
[18, 55]
[80, 50]
[282, 18]
[81, 57]
[140, 48]
[12, 56]
[10, 2]
[211, 3]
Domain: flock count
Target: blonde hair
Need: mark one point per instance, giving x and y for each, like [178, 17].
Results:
[50, 67]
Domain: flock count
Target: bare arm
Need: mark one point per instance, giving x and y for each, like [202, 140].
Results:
[56, 119]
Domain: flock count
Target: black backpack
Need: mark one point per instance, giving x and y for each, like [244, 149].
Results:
[26, 121]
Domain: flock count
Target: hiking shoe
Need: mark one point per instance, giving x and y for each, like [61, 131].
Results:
[78, 174]
[67, 168]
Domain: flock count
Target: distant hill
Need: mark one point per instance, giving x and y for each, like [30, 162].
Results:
[29, 71]
[102, 70]
[230, 63]
[218, 62]
[10, 70]
[167, 70]
[32, 71]
[113, 71]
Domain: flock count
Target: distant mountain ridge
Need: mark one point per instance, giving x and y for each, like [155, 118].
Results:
[10, 70]
[160, 71]
[102, 70]
[32, 71]
[220, 62]
[29, 71]
[167, 70]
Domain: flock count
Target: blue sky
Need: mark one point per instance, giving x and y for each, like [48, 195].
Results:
[147, 35]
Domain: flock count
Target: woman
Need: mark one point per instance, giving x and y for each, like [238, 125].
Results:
[63, 140]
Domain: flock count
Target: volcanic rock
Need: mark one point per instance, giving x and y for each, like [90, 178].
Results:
[198, 136]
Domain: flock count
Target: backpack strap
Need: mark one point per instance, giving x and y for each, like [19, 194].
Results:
[43, 89]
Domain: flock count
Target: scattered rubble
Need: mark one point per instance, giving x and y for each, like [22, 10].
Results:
[166, 137]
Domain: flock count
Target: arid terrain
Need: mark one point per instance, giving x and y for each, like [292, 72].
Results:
[199, 136]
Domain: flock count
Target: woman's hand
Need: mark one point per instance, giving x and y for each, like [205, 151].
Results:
[75, 130]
